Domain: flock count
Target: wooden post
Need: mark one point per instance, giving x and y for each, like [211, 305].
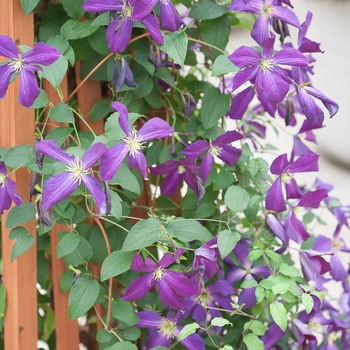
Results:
[17, 128]
[67, 331]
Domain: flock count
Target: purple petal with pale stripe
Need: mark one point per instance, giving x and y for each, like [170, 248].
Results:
[112, 160]
[245, 56]
[29, 89]
[338, 271]
[93, 154]
[310, 108]
[171, 183]
[57, 188]
[98, 195]
[279, 165]
[206, 166]
[274, 197]
[294, 228]
[138, 264]
[293, 190]
[164, 168]
[195, 149]
[168, 296]
[272, 336]
[49, 148]
[305, 163]
[291, 57]
[286, 15]
[181, 284]
[5, 199]
[8, 48]
[167, 260]
[154, 128]
[148, 319]
[240, 102]
[11, 187]
[242, 77]
[102, 6]
[138, 161]
[5, 73]
[235, 275]
[260, 32]
[193, 342]
[323, 244]
[141, 8]
[247, 297]
[313, 199]
[230, 155]
[41, 54]
[152, 24]
[123, 117]
[139, 288]
[331, 106]
[118, 34]
[267, 51]
[276, 227]
[229, 136]
[170, 18]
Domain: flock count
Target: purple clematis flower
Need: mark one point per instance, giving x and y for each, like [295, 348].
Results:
[25, 65]
[119, 30]
[163, 329]
[132, 144]
[285, 169]
[77, 171]
[302, 333]
[8, 190]
[219, 147]
[313, 264]
[184, 169]
[265, 9]
[173, 286]
[271, 81]
[272, 336]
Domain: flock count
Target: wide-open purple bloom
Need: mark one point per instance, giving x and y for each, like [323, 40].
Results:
[60, 186]
[285, 169]
[132, 144]
[265, 9]
[220, 148]
[163, 329]
[25, 65]
[8, 190]
[120, 28]
[184, 169]
[262, 69]
[172, 286]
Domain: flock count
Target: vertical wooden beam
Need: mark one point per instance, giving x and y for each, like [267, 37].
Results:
[67, 330]
[17, 127]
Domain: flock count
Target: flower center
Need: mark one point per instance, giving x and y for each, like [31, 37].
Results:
[181, 169]
[77, 170]
[336, 243]
[17, 64]
[215, 150]
[204, 298]
[167, 328]
[266, 10]
[134, 143]
[286, 178]
[127, 10]
[2, 180]
[158, 274]
[266, 64]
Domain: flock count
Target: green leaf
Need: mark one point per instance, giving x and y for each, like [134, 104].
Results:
[188, 230]
[20, 215]
[207, 9]
[92, 58]
[82, 296]
[2, 301]
[67, 244]
[60, 43]
[103, 336]
[61, 113]
[223, 180]
[126, 179]
[41, 101]
[116, 203]
[100, 110]
[254, 255]
[131, 333]
[73, 29]
[253, 342]
[227, 240]
[236, 198]
[81, 254]
[55, 72]
[280, 288]
[223, 65]
[290, 271]
[308, 302]
[260, 294]
[249, 284]
[226, 347]
[214, 106]
[101, 20]
[116, 263]
[112, 127]
[187, 330]
[98, 41]
[279, 314]
[273, 255]
[256, 327]
[142, 235]
[59, 134]
[142, 58]
[17, 156]
[123, 311]
[125, 345]
[49, 323]
[24, 240]
[220, 322]
[165, 75]
[73, 8]
[29, 5]
[175, 46]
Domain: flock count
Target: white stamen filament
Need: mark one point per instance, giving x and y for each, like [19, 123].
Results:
[167, 328]
[77, 170]
[17, 64]
[134, 143]
[215, 150]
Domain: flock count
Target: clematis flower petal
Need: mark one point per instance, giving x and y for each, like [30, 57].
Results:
[137, 264]
[292, 189]
[139, 288]
[29, 89]
[141, 8]
[112, 160]
[41, 54]
[247, 297]
[168, 296]
[313, 199]
[11, 188]
[164, 168]
[229, 136]
[171, 183]
[294, 228]
[170, 18]
[8, 48]
[286, 15]
[148, 319]
[5, 73]
[102, 6]
[331, 106]
[119, 33]
[279, 164]
[272, 336]
[195, 149]
[138, 161]
[235, 275]
[94, 187]
[156, 339]
[206, 167]
[305, 163]
[57, 188]
[154, 128]
[243, 76]
[240, 102]
[291, 57]
[93, 154]
[230, 155]
[274, 197]
[123, 117]
[245, 56]
[152, 24]
[193, 342]
[260, 32]
[50, 149]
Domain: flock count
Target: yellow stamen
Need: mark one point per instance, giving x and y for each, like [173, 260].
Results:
[167, 328]
[134, 143]
[77, 170]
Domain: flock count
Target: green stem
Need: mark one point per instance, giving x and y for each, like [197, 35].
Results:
[204, 43]
[83, 120]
